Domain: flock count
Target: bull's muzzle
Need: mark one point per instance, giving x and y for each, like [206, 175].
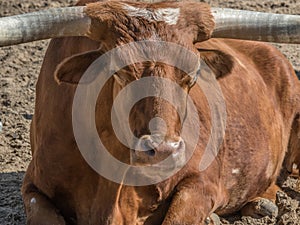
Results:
[152, 149]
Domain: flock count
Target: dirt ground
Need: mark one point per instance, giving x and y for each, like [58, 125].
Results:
[19, 69]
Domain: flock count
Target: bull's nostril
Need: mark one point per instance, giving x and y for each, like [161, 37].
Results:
[176, 145]
[181, 144]
[147, 146]
[150, 152]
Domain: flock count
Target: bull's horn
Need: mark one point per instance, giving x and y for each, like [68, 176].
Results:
[58, 22]
[73, 21]
[257, 26]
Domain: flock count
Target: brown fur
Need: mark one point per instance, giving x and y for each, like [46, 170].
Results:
[262, 95]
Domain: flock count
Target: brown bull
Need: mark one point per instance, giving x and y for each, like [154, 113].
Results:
[262, 95]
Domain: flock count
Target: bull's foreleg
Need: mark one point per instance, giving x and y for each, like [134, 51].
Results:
[263, 205]
[39, 209]
[193, 204]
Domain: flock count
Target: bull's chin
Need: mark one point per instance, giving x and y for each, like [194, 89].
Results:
[178, 160]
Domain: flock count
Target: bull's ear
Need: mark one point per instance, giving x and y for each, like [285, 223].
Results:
[71, 69]
[219, 62]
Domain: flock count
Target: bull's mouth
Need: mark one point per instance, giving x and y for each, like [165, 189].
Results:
[171, 162]
[160, 170]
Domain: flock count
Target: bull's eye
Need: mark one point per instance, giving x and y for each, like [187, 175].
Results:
[192, 82]
[188, 81]
[193, 78]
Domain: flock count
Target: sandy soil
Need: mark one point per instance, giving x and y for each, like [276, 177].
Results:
[18, 74]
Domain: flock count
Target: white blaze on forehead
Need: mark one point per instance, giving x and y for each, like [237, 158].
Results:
[167, 15]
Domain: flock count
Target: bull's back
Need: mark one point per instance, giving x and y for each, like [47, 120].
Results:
[261, 93]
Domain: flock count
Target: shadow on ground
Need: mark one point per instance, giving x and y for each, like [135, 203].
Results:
[298, 74]
[11, 211]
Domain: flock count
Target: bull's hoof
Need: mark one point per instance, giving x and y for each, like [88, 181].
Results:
[213, 220]
[259, 208]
